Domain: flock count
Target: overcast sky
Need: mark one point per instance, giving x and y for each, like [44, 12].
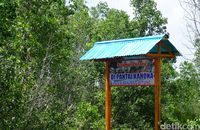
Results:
[170, 9]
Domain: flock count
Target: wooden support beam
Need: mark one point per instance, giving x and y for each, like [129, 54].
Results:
[108, 97]
[157, 93]
[157, 89]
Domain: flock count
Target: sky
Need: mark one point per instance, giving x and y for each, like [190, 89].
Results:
[172, 10]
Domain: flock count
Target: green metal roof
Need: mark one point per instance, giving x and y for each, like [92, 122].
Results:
[128, 47]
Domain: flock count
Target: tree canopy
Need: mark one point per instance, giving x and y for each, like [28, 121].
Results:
[44, 85]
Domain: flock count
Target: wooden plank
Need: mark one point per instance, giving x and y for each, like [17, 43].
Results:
[108, 97]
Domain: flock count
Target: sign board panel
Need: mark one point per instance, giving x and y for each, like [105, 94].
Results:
[132, 73]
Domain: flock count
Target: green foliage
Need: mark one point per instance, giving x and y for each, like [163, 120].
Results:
[44, 85]
[149, 20]
[132, 107]
[194, 123]
[180, 101]
[101, 11]
[197, 53]
[88, 117]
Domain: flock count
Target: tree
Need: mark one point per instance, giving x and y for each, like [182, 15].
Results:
[10, 90]
[180, 94]
[149, 20]
[44, 85]
[136, 104]
[42, 79]
[100, 11]
[109, 23]
[192, 10]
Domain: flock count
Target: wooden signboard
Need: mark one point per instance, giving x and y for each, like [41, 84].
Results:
[138, 72]
[144, 69]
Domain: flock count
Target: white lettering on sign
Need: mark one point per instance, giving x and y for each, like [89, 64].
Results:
[132, 72]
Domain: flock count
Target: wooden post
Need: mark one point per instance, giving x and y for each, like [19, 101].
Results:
[108, 97]
[157, 90]
[157, 93]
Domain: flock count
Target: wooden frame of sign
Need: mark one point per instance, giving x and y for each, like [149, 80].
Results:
[157, 83]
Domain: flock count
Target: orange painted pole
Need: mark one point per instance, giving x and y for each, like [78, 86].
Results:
[157, 89]
[159, 80]
[157, 93]
[108, 97]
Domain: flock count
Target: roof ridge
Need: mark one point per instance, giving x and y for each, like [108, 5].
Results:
[102, 50]
[132, 39]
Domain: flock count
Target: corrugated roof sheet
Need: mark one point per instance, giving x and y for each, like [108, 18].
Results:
[127, 47]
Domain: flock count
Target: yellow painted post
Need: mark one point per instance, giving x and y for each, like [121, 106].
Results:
[108, 97]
